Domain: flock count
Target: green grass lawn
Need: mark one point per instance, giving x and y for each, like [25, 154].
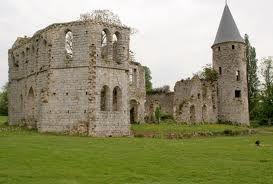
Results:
[29, 157]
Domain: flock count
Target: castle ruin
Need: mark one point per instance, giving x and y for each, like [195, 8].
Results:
[78, 77]
[223, 100]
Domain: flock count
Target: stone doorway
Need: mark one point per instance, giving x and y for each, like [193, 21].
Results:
[133, 111]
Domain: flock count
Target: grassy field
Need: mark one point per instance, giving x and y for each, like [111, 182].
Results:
[32, 158]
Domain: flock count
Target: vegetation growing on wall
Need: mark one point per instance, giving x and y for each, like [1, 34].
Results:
[208, 73]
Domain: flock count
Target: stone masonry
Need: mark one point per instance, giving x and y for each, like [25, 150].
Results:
[224, 100]
[76, 77]
[79, 78]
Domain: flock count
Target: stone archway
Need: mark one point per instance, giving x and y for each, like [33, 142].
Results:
[133, 111]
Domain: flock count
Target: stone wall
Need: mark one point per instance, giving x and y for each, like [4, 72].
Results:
[60, 90]
[163, 100]
[137, 92]
[195, 101]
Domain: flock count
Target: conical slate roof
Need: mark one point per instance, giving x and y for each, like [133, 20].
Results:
[228, 30]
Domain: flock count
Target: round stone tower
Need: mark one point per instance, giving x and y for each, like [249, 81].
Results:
[229, 59]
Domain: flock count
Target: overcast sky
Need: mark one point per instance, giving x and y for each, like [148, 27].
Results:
[174, 36]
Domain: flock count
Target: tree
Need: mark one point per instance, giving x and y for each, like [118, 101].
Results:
[267, 90]
[104, 16]
[252, 76]
[160, 90]
[148, 79]
[208, 73]
[4, 101]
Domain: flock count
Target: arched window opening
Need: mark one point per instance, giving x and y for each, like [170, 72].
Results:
[104, 39]
[117, 99]
[104, 98]
[115, 39]
[117, 48]
[30, 101]
[69, 44]
[104, 43]
[204, 113]
[192, 113]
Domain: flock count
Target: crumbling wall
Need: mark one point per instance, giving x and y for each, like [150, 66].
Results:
[58, 74]
[137, 93]
[195, 101]
[27, 79]
[163, 100]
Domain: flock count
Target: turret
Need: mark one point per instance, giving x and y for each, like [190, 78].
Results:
[229, 59]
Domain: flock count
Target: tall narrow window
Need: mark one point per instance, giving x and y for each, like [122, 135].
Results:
[117, 101]
[233, 47]
[135, 76]
[220, 70]
[31, 102]
[104, 43]
[104, 98]
[103, 38]
[69, 44]
[237, 75]
[131, 76]
[117, 48]
[219, 48]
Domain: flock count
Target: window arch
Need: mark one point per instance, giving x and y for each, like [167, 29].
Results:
[69, 43]
[30, 101]
[104, 98]
[117, 47]
[104, 43]
[117, 99]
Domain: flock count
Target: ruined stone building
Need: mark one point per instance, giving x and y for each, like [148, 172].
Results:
[76, 77]
[226, 99]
